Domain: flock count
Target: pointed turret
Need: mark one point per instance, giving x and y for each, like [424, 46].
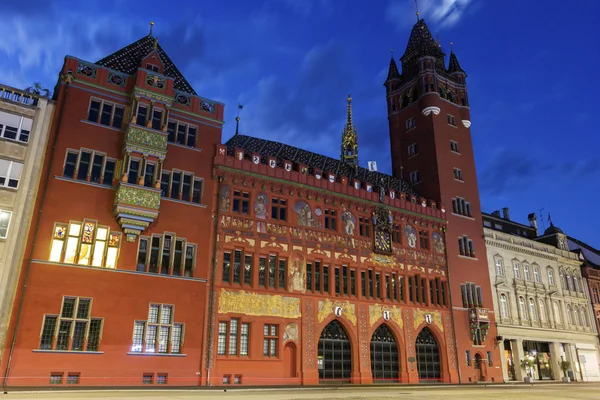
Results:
[393, 72]
[349, 138]
[421, 44]
[454, 65]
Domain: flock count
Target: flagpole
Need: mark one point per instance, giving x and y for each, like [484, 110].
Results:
[237, 119]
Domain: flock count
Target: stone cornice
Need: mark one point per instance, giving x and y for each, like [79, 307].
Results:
[329, 193]
[512, 247]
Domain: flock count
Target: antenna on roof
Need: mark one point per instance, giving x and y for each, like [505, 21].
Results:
[417, 7]
[151, 26]
[542, 219]
[451, 47]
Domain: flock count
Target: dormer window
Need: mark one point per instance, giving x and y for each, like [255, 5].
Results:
[152, 67]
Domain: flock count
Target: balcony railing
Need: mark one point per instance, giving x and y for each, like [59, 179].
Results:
[18, 96]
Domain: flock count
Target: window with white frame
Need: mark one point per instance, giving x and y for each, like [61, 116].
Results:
[10, 173]
[158, 334]
[106, 113]
[517, 270]
[550, 276]
[90, 166]
[85, 243]
[73, 329]
[522, 308]
[15, 127]
[415, 177]
[182, 133]
[461, 207]
[4, 223]
[542, 310]
[410, 124]
[532, 311]
[413, 150]
[504, 306]
[166, 254]
[499, 266]
[526, 272]
[536, 274]
[557, 316]
[270, 340]
[233, 338]
[182, 185]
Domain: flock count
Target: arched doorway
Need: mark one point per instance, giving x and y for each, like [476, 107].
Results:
[384, 354]
[335, 353]
[428, 357]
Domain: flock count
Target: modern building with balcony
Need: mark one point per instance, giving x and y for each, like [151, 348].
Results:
[25, 120]
[113, 289]
[541, 302]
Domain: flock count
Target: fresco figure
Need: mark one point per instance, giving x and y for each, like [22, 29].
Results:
[260, 212]
[438, 242]
[225, 199]
[305, 215]
[411, 236]
[349, 222]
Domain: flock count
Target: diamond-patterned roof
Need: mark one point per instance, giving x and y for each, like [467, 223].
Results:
[393, 71]
[268, 148]
[454, 65]
[129, 58]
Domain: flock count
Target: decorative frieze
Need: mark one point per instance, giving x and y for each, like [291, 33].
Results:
[262, 305]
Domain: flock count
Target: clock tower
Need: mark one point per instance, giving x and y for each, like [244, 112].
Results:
[431, 147]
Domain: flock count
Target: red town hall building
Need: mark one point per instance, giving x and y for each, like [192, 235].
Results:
[160, 256]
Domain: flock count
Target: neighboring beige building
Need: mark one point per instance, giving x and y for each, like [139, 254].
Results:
[24, 125]
[541, 302]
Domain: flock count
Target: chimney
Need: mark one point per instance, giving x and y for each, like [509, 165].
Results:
[496, 214]
[533, 222]
[506, 214]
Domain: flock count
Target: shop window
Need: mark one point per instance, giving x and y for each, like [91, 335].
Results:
[158, 334]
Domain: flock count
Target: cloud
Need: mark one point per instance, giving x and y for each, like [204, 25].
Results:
[443, 13]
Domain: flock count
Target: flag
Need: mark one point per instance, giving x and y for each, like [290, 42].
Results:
[240, 106]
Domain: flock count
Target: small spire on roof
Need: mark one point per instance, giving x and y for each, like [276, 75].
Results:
[417, 7]
[155, 43]
[451, 46]
[392, 52]
[151, 26]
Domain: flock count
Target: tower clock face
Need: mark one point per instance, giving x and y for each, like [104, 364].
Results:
[382, 242]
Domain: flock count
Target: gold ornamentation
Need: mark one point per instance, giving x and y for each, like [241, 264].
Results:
[138, 197]
[383, 261]
[420, 317]
[376, 312]
[145, 141]
[248, 303]
[326, 307]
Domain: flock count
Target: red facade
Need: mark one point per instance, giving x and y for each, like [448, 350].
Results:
[429, 119]
[113, 288]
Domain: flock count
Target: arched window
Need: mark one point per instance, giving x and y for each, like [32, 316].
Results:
[569, 281]
[526, 272]
[584, 319]
[563, 279]
[550, 276]
[575, 315]
[542, 310]
[576, 284]
[532, 309]
[569, 316]
[522, 308]
[536, 274]
[557, 317]
[504, 305]
[499, 267]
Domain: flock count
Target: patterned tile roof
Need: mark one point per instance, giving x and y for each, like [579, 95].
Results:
[314, 161]
[129, 58]
[454, 64]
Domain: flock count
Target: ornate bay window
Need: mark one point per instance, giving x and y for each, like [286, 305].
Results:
[85, 243]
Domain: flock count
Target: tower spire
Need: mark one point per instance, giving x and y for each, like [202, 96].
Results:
[417, 7]
[349, 138]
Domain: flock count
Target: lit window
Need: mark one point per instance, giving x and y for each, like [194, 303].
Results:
[158, 334]
[73, 329]
[85, 243]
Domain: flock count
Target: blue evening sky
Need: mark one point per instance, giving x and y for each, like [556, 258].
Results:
[291, 63]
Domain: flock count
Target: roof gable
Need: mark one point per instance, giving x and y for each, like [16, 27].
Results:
[129, 58]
